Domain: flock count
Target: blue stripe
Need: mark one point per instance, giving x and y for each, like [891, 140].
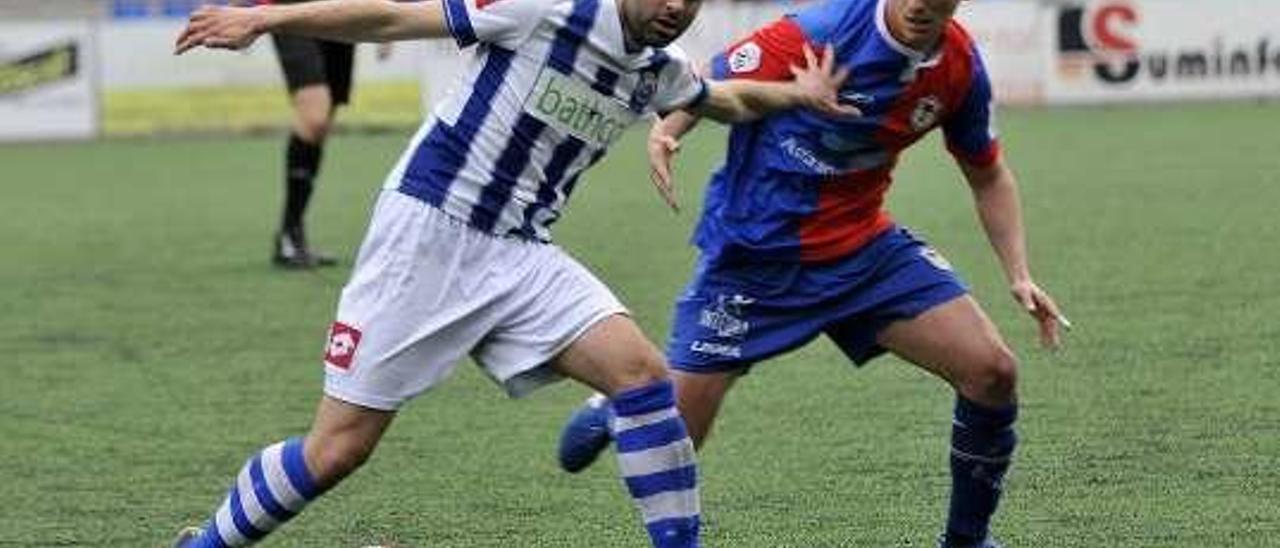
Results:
[561, 158]
[674, 532]
[506, 172]
[651, 397]
[295, 466]
[605, 81]
[595, 157]
[211, 538]
[658, 60]
[647, 86]
[679, 479]
[651, 435]
[455, 17]
[262, 491]
[570, 37]
[441, 154]
[240, 520]
[720, 67]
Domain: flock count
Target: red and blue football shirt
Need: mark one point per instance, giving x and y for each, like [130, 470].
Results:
[800, 186]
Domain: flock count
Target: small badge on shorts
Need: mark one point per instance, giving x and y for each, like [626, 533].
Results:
[343, 340]
[936, 259]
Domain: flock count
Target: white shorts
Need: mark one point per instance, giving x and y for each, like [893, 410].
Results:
[427, 290]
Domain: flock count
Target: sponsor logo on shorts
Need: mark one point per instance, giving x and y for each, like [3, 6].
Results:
[725, 317]
[343, 341]
[717, 349]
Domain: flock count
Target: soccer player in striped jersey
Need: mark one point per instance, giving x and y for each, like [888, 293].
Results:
[457, 260]
[795, 242]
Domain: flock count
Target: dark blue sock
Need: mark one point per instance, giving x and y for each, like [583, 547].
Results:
[982, 442]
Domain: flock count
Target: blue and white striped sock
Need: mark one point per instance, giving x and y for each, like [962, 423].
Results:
[271, 488]
[657, 463]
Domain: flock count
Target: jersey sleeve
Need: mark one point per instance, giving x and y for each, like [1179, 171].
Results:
[766, 55]
[970, 132]
[506, 23]
[679, 85]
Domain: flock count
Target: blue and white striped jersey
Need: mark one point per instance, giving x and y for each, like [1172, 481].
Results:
[549, 88]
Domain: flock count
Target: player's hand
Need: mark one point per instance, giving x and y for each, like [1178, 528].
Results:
[662, 148]
[1041, 307]
[819, 83]
[220, 27]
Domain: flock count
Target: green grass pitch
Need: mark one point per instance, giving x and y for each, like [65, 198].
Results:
[147, 348]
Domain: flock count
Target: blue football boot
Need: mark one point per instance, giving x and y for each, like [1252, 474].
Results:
[586, 434]
[188, 538]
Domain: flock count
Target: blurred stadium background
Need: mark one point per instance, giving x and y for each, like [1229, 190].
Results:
[147, 346]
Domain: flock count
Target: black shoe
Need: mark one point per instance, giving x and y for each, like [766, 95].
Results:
[292, 252]
[986, 543]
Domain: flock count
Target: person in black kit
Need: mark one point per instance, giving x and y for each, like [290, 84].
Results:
[318, 76]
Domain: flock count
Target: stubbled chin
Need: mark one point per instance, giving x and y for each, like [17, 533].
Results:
[658, 40]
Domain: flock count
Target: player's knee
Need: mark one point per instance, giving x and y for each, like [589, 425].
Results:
[314, 127]
[995, 379]
[641, 370]
[336, 457]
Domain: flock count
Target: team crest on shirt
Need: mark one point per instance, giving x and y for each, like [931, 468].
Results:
[726, 319]
[745, 58]
[343, 341]
[926, 114]
[646, 88]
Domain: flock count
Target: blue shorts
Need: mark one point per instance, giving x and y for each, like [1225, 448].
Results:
[734, 315]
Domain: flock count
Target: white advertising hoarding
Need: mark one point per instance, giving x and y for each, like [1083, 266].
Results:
[139, 55]
[47, 80]
[1009, 35]
[1154, 50]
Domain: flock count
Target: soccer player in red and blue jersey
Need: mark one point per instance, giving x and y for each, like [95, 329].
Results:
[795, 241]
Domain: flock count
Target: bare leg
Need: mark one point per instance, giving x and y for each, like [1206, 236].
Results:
[342, 437]
[280, 480]
[957, 342]
[313, 112]
[655, 455]
[699, 397]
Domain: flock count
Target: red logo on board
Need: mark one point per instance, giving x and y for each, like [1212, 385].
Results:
[343, 340]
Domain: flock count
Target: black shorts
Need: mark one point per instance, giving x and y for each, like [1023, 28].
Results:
[308, 61]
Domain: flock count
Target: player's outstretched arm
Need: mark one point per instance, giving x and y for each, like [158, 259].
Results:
[664, 143]
[995, 193]
[816, 86]
[342, 20]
